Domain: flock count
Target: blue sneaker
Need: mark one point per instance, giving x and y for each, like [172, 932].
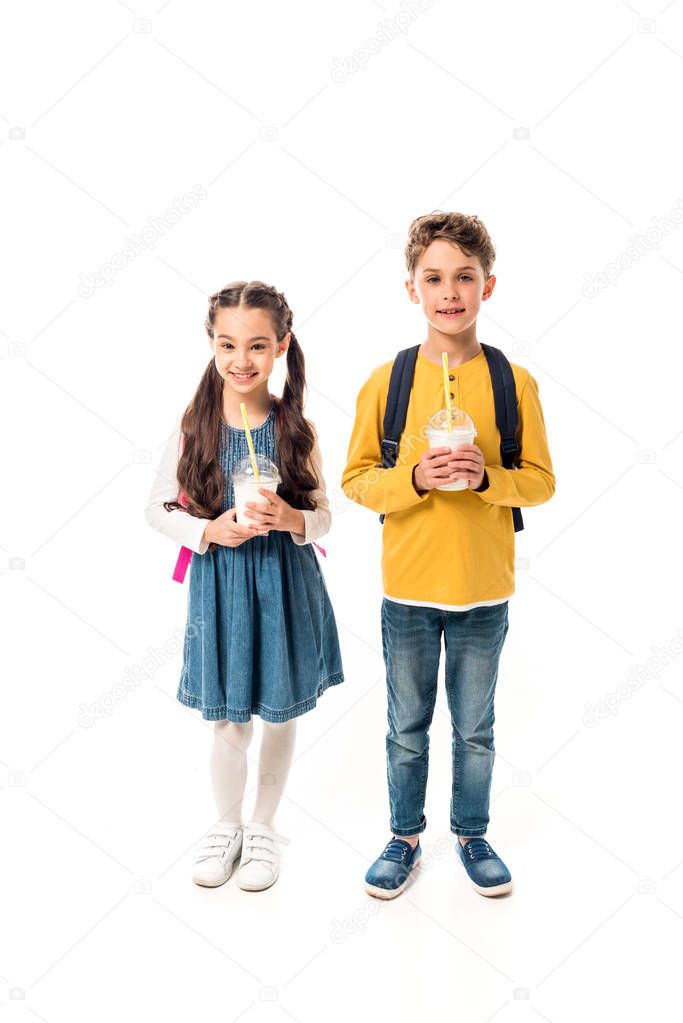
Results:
[389, 874]
[486, 870]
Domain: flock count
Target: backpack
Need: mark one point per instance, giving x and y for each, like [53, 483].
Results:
[504, 400]
[185, 554]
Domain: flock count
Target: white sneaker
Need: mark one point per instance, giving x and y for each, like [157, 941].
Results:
[216, 854]
[260, 864]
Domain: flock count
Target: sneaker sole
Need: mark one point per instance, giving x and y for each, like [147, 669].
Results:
[390, 893]
[257, 887]
[495, 889]
[214, 884]
[210, 884]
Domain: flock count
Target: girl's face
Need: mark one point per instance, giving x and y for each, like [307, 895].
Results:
[450, 286]
[245, 347]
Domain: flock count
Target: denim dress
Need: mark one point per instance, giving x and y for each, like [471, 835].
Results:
[260, 636]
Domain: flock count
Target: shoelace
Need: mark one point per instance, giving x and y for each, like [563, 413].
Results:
[478, 849]
[395, 851]
[215, 843]
[255, 840]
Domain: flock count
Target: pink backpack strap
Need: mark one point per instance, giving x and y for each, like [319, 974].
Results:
[185, 554]
[184, 559]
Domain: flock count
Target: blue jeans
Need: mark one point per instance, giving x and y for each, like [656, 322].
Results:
[411, 641]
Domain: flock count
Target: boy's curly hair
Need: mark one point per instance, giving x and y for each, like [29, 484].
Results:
[467, 232]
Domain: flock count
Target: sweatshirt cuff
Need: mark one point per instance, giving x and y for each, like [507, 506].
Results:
[489, 491]
[300, 539]
[400, 491]
[198, 545]
[484, 485]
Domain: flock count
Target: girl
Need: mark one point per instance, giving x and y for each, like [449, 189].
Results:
[260, 636]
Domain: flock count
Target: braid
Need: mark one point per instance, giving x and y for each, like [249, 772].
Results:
[287, 316]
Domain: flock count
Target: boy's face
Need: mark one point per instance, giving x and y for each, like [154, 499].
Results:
[445, 280]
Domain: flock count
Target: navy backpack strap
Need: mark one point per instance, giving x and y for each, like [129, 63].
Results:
[398, 398]
[505, 403]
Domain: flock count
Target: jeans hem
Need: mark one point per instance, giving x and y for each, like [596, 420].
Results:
[408, 832]
[468, 832]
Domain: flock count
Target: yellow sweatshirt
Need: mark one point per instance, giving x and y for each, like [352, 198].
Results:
[448, 549]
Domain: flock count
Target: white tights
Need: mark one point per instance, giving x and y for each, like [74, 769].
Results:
[228, 762]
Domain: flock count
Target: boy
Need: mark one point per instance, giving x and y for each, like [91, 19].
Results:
[447, 556]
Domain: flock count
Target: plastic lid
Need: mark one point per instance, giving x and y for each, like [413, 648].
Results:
[459, 422]
[244, 471]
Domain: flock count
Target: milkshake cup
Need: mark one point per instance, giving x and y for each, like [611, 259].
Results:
[444, 434]
[246, 486]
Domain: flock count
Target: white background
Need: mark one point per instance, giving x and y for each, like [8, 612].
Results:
[558, 125]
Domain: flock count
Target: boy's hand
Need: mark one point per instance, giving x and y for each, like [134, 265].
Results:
[443, 465]
[276, 514]
[432, 469]
[467, 463]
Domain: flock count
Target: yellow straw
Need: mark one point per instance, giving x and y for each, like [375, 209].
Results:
[252, 454]
[447, 388]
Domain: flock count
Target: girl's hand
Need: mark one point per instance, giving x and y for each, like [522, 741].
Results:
[225, 530]
[275, 514]
[467, 463]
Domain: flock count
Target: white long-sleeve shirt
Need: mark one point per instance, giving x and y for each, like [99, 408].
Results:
[188, 530]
